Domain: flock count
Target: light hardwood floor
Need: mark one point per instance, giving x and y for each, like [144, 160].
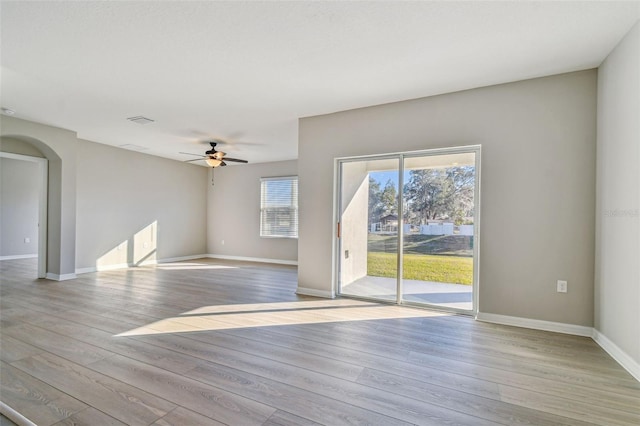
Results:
[215, 342]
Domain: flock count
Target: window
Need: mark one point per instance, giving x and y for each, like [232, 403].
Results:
[279, 207]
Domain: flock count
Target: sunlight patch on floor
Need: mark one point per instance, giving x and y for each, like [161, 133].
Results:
[216, 309]
[224, 317]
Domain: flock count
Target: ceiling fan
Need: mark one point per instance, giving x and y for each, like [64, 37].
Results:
[213, 157]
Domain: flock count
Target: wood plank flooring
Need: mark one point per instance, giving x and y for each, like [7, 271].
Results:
[211, 342]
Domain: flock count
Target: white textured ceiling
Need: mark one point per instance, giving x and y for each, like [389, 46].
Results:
[246, 71]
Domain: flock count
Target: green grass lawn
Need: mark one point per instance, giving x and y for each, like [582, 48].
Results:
[452, 245]
[424, 267]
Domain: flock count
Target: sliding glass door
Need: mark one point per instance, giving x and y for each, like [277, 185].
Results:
[408, 228]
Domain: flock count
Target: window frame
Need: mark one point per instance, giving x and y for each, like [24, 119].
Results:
[293, 207]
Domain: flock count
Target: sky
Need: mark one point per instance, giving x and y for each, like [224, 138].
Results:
[383, 177]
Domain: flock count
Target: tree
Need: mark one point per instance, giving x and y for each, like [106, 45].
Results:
[389, 198]
[441, 193]
[376, 208]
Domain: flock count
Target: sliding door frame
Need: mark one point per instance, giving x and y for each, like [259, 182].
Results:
[337, 213]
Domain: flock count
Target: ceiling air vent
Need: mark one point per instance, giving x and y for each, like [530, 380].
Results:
[140, 120]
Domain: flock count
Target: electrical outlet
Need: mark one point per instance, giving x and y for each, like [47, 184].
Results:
[27, 240]
[562, 286]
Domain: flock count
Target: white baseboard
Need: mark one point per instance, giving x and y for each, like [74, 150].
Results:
[558, 327]
[183, 258]
[316, 293]
[628, 363]
[19, 256]
[14, 416]
[131, 265]
[80, 271]
[253, 259]
[63, 277]
[103, 268]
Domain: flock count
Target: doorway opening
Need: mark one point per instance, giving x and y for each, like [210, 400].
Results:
[16, 219]
[408, 228]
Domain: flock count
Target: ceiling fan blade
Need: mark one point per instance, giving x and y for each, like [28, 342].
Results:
[222, 163]
[237, 160]
[188, 153]
[195, 159]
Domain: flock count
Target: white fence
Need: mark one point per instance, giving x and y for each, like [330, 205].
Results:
[465, 230]
[429, 229]
[437, 229]
[445, 229]
[380, 228]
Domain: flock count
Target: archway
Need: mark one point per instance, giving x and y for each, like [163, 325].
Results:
[26, 148]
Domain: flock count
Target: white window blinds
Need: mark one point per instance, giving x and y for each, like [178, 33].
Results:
[279, 207]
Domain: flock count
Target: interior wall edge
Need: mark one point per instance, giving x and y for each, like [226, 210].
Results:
[617, 273]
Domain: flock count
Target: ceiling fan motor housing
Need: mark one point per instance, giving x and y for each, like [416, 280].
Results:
[216, 158]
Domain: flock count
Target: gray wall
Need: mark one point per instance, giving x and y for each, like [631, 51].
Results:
[101, 197]
[120, 193]
[19, 199]
[617, 280]
[538, 178]
[234, 213]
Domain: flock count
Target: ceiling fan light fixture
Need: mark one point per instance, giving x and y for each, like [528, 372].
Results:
[218, 155]
[213, 162]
